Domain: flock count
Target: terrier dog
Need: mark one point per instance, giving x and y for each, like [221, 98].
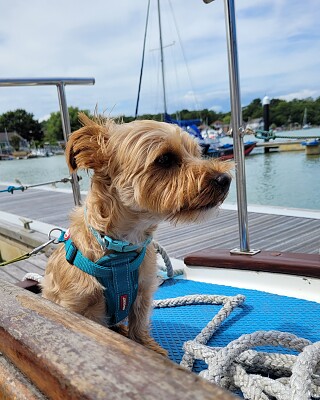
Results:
[144, 172]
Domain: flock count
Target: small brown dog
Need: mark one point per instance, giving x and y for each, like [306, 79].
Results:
[144, 172]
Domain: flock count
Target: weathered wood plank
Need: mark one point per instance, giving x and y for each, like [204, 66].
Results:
[69, 357]
[267, 232]
[16, 271]
[14, 385]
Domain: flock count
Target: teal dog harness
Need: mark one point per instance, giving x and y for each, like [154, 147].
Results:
[117, 272]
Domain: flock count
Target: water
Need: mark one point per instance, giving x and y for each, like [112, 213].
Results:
[286, 179]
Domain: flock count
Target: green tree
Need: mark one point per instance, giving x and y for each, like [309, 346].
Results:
[253, 110]
[15, 142]
[282, 113]
[226, 119]
[53, 126]
[22, 122]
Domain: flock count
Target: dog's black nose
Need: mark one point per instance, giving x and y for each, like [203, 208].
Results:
[223, 180]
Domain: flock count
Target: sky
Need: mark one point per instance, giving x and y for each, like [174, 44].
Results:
[278, 53]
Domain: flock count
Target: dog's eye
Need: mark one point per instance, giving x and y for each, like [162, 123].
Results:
[167, 160]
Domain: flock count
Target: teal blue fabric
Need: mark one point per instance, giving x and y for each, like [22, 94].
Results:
[107, 243]
[118, 273]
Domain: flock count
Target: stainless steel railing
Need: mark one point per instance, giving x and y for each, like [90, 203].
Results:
[60, 83]
[237, 128]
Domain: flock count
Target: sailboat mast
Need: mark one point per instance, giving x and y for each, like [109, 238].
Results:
[304, 121]
[162, 62]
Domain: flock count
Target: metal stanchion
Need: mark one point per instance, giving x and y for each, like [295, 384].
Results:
[60, 83]
[237, 129]
[66, 128]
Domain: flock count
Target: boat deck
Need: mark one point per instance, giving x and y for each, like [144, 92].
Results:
[272, 232]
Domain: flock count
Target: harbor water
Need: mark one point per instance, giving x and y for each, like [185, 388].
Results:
[286, 179]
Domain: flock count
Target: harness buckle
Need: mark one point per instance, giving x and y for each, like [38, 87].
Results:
[116, 245]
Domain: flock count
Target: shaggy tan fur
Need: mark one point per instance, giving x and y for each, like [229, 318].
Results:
[144, 172]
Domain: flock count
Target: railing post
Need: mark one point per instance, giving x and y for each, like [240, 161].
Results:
[60, 83]
[237, 129]
[66, 128]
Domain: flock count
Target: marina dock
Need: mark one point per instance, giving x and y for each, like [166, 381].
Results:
[272, 229]
[288, 145]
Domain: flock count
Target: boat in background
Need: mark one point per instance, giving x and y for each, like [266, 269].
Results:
[35, 153]
[4, 157]
[312, 147]
[212, 148]
[226, 151]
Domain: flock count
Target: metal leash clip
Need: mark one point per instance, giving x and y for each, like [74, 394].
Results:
[54, 240]
[42, 246]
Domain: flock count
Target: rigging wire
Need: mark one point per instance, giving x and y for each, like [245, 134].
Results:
[184, 58]
[142, 62]
[148, 16]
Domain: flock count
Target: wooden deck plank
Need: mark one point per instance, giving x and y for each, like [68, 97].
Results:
[267, 232]
[14, 385]
[36, 264]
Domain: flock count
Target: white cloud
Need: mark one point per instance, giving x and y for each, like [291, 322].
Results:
[44, 118]
[302, 94]
[216, 108]
[278, 44]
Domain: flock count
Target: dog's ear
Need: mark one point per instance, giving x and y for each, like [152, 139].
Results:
[85, 146]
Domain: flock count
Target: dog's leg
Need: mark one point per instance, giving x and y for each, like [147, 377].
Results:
[91, 308]
[139, 315]
[139, 326]
[77, 291]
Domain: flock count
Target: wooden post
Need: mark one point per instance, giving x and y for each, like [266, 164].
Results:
[266, 119]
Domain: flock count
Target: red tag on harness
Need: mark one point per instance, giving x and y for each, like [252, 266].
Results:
[123, 302]
[67, 235]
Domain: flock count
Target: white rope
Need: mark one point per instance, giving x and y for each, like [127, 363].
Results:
[167, 268]
[168, 265]
[259, 375]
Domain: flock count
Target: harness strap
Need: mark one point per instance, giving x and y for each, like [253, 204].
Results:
[107, 243]
[117, 273]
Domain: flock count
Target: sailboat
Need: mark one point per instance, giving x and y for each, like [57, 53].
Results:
[210, 148]
[6, 149]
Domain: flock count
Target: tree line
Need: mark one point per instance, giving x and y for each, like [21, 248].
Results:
[35, 132]
[283, 114]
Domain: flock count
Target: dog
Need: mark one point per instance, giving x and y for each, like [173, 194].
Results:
[144, 172]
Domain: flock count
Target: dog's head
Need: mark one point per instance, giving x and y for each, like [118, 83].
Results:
[151, 166]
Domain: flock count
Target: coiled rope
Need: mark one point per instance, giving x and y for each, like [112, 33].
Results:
[167, 268]
[259, 375]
